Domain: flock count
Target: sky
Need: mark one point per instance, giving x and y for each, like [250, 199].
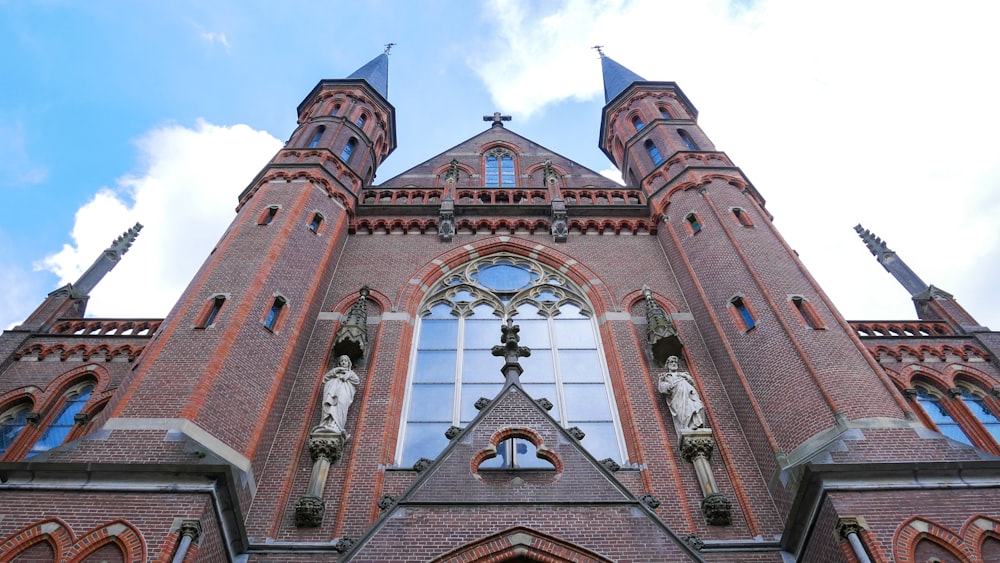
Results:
[874, 112]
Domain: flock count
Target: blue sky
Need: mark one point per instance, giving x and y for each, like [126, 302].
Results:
[113, 112]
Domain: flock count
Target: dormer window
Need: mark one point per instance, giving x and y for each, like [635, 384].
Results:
[499, 171]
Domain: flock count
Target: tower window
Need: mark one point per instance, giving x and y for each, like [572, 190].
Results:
[345, 155]
[12, 421]
[499, 169]
[742, 217]
[317, 220]
[213, 312]
[654, 153]
[335, 111]
[361, 120]
[274, 313]
[688, 142]
[316, 137]
[60, 428]
[637, 121]
[935, 410]
[742, 314]
[268, 215]
[807, 313]
[665, 113]
[693, 223]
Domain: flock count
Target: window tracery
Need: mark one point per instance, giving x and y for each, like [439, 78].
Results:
[499, 168]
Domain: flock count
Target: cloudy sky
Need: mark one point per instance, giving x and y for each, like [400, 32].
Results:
[882, 113]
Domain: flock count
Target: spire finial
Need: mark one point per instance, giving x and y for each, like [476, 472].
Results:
[388, 47]
[599, 49]
[108, 259]
[892, 263]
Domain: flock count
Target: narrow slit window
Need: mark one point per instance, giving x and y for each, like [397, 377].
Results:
[742, 217]
[806, 312]
[345, 155]
[654, 153]
[743, 313]
[316, 137]
[361, 120]
[335, 111]
[688, 141]
[317, 220]
[693, 223]
[268, 216]
[213, 312]
[274, 313]
[637, 121]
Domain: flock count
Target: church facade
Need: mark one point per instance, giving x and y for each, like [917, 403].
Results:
[500, 355]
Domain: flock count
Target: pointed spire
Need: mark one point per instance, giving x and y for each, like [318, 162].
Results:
[892, 263]
[89, 280]
[376, 73]
[616, 77]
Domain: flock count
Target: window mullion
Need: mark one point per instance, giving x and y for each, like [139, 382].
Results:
[456, 406]
[557, 374]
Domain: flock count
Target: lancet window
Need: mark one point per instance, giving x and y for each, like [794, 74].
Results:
[499, 168]
[59, 429]
[452, 366]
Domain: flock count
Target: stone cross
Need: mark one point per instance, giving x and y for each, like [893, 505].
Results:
[599, 49]
[496, 118]
[510, 351]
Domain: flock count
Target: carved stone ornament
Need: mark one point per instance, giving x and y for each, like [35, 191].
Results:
[326, 445]
[544, 403]
[995, 391]
[910, 392]
[482, 403]
[694, 541]
[446, 220]
[955, 392]
[386, 502]
[848, 526]
[343, 544]
[452, 431]
[610, 464]
[650, 501]
[717, 509]
[190, 528]
[560, 220]
[422, 464]
[509, 350]
[660, 332]
[693, 448]
[352, 336]
[551, 176]
[81, 418]
[577, 433]
[33, 418]
[309, 512]
[451, 174]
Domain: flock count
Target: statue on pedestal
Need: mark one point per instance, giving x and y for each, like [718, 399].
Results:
[681, 395]
[339, 385]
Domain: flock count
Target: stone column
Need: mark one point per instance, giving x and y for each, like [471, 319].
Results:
[850, 528]
[696, 447]
[190, 531]
[325, 447]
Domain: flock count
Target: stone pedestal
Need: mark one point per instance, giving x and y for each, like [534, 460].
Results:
[696, 447]
[325, 447]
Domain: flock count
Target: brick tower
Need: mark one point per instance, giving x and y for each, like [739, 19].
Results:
[501, 355]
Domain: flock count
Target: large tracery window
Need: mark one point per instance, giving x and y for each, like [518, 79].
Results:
[499, 169]
[452, 365]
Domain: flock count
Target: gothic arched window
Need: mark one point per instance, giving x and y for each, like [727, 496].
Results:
[59, 429]
[977, 405]
[654, 153]
[452, 365]
[345, 155]
[12, 421]
[499, 169]
[317, 136]
[940, 417]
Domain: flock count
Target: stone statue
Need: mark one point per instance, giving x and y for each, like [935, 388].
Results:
[339, 385]
[682, 397]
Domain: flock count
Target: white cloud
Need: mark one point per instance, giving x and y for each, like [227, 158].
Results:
[184, 196]
[17, 168]
[838, 112]
[213, 38]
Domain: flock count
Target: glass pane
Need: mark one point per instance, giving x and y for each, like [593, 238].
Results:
[540, 391]
[464, 296]
[472, 393]
[570, 311]
[440, 311]
[979, 409]
[578, 366]
[432, 402]
[527, 311]
[538, 367]
[504, 277]
[586, 401]
[955, 433]
[423, 440]
[534, 333]
[481, 366]
[10, 428]
[498, 462]
[440, 334]
[932, 406]
[574, 333]
[600, 440]
[482, 334]
[547, 296]
[526, 456]
[507, 170]
[435, 366]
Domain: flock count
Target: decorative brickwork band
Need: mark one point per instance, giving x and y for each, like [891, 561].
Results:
[309, 512]
[660, 332]
[352, 336]
[849, 528]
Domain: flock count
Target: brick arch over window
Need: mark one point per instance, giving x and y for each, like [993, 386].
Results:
[66, 547]
[521, 542]
[963, 546]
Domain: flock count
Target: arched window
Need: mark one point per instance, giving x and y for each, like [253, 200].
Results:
[654, 153]
[452, 365]
[361, 120]
[317, 136]
[665, 113]
[977, 405]
[12, 421]
[335, 111]
[499, 169]
[637, 122]
[688, 142]
[345, 155]
[60, 428]
[939, 416]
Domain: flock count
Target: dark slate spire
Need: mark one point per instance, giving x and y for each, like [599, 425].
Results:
[616, 78]
[88, 281]
[376, 74]
[892, 263]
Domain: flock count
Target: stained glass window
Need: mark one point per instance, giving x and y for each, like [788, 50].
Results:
[61, 427]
